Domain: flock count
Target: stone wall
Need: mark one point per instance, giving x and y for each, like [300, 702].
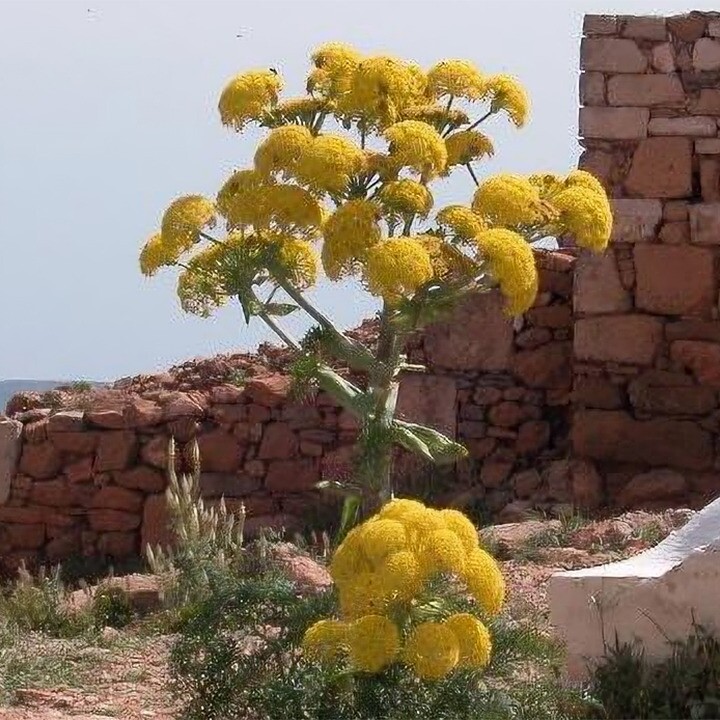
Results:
[647, 335]
[83, 473]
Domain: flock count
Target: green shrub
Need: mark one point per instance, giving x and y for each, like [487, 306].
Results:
[111, 607]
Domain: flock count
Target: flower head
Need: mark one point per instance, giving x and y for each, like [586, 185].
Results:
[473, 638]
[200, 292]
[348, 561]
[465, 146]
[292, 207]
[328, 162]
[586, 214]
[548, 184]
[462, 526]
[432, 651]
[242, 200]
[248, 97]
[484, 580]
[402, 574]
[417, 145]
[397, 267]
[281, 149]
[442, 551]
[335, 65]
[439, 116]
[364, 594]
[511, 262]
[508, 95]
[326, 640]
[508, 200]
[183, 221]
[456, 78]
[298, 260]
[461, 221]
[374, 643]
[448, 261]
[155, 254]
[406, 197]
[301, 109]
[400, 508]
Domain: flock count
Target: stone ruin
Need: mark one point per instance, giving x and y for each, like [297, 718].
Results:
[603, 395]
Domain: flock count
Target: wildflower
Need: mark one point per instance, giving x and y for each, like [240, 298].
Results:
[432, 651]
[439, 116]
[509, 95]
[511, 262]
[417, 145]
[582, 178]
[484, 580]
[154, 255]
[421, 523]
[374, 643]
[242, 200]
[402, 574]
[457, 78]
[381, 538]
[335, 65]
[397, 267]
[586, 214]
[248, 97]
[326, 640]
[473, 638]
[465, 146]
[297, 259]
[290, 206]
[348, 560]
[328, 162]
[508, 200]
[462, 526]
[547, 184]
[199, 292]
[349, 233]
[281, 149]
[183, 221]
[364, 594]
[406, 197]
[442, 551]
[461, 221]
[399, 508]
[447, 261]
[302, 109]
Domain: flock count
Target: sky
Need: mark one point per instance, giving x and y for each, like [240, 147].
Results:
[109, 112]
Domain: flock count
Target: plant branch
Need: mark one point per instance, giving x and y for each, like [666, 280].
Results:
[482, 119]
[472, 174]
[275, 327]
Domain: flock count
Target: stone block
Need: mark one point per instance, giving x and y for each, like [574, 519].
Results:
[10, 449]
[625, 339]
[693, 330]
[706, 54]
[675, 233]
[592, 88]
[661, 168]
[706, 103]
[429, 400]
[597, 393]
[600, 25]
[116, 450]
[598, 289]
[663, 58]
[705, 223]
[692, 400]
[648, 90]
[635, 220]
[702, 358]
[220, 451]
[692, 126]
[710, 179]
[707, 146]
[644, 27]
[545, 367]
[614, 123]
[687, 28]
[41, 461]
[279, 442]
[612, 55]
[292, 475]
[674, 279]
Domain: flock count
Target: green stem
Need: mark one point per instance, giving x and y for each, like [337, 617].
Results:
[482, 119]
[275, 327]
[472, 174]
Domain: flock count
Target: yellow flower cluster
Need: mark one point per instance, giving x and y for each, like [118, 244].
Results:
[465, 146]
[456, 78]
[397, 267]
[328, 162]
[406, 197]
[248, 97]
[461, 222]
[381, 570]
[418, 146]
[508, 201]
[508, 95]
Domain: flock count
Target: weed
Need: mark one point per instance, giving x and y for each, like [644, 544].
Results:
[237, 377]
[111, 607]
[81, 386]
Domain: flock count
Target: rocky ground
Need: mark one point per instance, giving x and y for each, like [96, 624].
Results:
[125, 673]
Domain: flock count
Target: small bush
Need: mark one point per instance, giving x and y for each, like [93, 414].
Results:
[685, 685]
[111, 607]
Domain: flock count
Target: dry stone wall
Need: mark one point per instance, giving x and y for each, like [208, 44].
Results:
[647, 335]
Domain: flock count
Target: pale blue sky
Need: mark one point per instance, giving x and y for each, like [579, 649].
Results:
[109, 112]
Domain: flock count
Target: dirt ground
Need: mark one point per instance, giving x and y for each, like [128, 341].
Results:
[127, 677]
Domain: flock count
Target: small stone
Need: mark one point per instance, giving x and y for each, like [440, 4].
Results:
[706, 54]
[655, 485]
[710, 179]
[141, 478]
[495, 472]
[643, 27]
[117, 498]
[675, 233]
[663, 58]
[598, 289]
[592, 88]
[270, 391]
[693, 330]
[614, 123]
[599, 25]
[525, 482]
[707, 146]
[546, 367]
[705, 223]
[507, 414]
[532, 338]
[675, 210]
[706, 103]
[66, 421]
[635, 220]
[687, 28]
[586, 485]
[103, 520]
[597, 393]
[692, 126]
[701, 358]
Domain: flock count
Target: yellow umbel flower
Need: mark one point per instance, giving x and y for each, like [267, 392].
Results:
[484, 580]
[548, 184]
[290, 206]
[406, 197]
[473, 639]
[301, 109]
[439, 116]
[421, 523]
[448, 262]
[417, 145]
[242, 200]
[183, 221]
[349, 233]
[442, 552]
[402, 575]
[326, 640]
[328, 162]
[248, 97]
[281, 149]
[511, 262]
[336, 64]
[374, 643]
[457, 78]
[465, 146]
[383, 165]
[582, 178]
[200, 293]
[586, 214]
[364, 594]
[381, 538]
[397, 267]
[400, 508]
[461, 221]
[462, 526]
[508, 200]
[348, 560]
[154, 255]
[509, 95]
[432, 651]
[298, 260]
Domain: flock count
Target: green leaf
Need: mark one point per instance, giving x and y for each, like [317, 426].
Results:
[429, 443]
[349, 517]
[346, 393]
[337, 487]
[279, 309]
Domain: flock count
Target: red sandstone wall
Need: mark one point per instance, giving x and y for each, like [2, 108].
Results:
[647, 335]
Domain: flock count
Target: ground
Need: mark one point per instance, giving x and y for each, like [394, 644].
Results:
[124, 674]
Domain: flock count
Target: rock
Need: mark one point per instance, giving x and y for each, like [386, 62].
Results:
[672, 400]
[118, 498]
[614, 123]
[156, 529]
[533, 437]
[227, 395]
[663, 58]
[25, 537]
[220, 451]
[611, 55]
[309, 576]
[646, 28]
[428, 400]
[694, 126]
[471, 429]
[598, 289]
[597, 393]
[616, 436]
[177, 405]
[705, 223]
[635, 220]
[10, 449]
[106, 418]
[515, 511]
[592, 88]
[709, 179]
[54, 493]
[141, 477]
[675, 233]
[600, 25]
[66, 421]
[645, 90]
[40, 462]
[586, 485]
[485, 395]
[80, 471]
[706, 54]
[507, 414]
[525, 482]
[658, 484]
[533, 338]
[495, 471]
[693, 330]
[140, 413]
[292, 475]
[701, 358]
[104, 520]
[509, 537]
[116, 450]
[76, 443]
[63, 546]
[279, 442]
[229, 485]
[154, 452]
[118, 544]
[142, 591]
[270, 391]
[687, 28]
[706, 103]
[661, 168]
[478, 336]
[550, 316]
[674, 280]
[546, 367]
[630, 339]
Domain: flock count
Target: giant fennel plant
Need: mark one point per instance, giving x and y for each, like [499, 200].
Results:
[342, 184]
